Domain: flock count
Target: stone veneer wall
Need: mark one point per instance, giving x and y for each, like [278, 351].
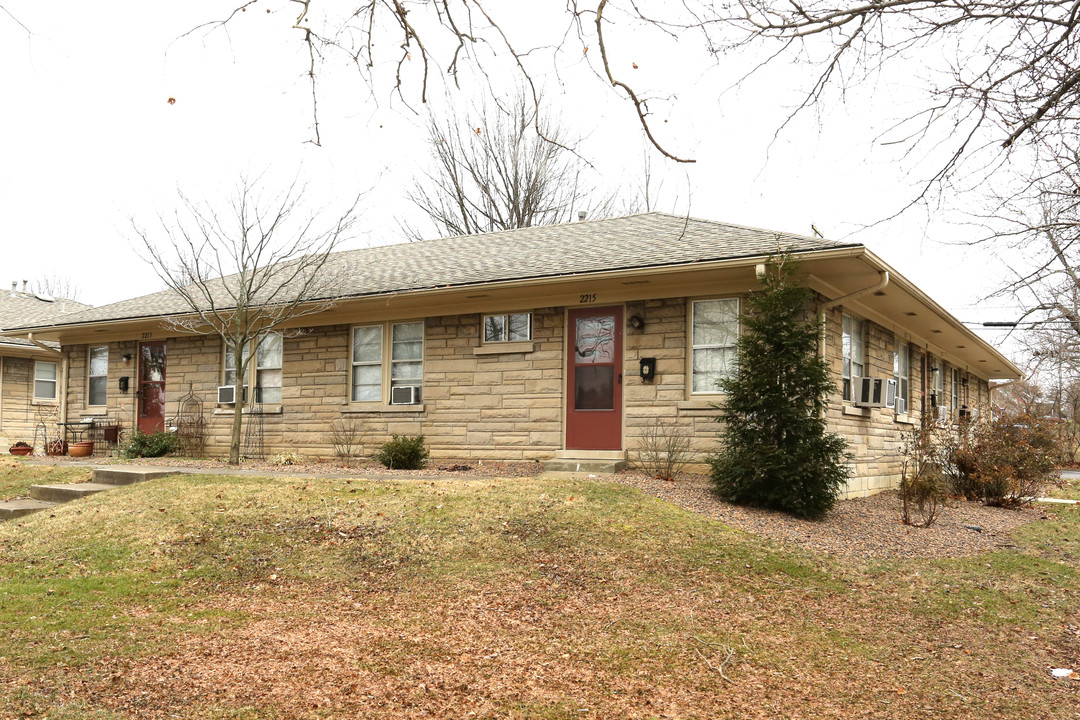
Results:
[19, 415]
[504, 406]
[664, 400]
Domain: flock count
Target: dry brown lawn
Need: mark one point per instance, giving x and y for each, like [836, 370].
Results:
[215, 597]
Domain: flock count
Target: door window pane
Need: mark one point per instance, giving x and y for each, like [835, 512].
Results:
[594, 339]
[594, 387]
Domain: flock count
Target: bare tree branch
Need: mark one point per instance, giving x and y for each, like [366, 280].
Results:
[250, 272]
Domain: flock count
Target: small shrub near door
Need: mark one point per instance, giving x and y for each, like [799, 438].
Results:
[403, 453]
[663, 450]
[149, 445]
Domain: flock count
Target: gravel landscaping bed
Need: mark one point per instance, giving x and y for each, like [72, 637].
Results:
[866, 527]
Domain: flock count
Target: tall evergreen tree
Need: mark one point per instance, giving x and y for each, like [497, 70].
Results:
[777, 451]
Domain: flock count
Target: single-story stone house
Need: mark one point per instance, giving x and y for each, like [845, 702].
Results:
[31, 379]
[563, 341]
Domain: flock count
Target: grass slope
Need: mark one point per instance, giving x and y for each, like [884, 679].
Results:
[16, 476]
[240, 597]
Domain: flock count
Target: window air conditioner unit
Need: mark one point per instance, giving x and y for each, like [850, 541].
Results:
[969, 414]
[901, 406]
[874, 392]
[941, 414]
[226, 394]
[405, 395]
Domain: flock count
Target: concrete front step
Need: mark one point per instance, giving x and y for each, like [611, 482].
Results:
[65, 492]
[126, 475]
[22, 506]
[590, 455]
[593, 467]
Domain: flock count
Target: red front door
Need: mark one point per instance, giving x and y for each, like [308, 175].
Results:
[594, 379]
[151, 387]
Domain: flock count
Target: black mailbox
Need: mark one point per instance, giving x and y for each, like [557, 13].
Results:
[123, 384]
[648, 369]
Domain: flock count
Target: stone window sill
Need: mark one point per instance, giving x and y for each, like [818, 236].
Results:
[505, 348]
[698, 407]
[905, 420]
[383, 410]
[856, 411]
[264, 410]
[43, 401]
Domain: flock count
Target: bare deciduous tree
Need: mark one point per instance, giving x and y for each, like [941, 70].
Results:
[495, 173]
[253, 268]
[57, 286]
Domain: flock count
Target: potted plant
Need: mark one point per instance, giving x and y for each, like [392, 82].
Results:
[82, 449]
[20, 448]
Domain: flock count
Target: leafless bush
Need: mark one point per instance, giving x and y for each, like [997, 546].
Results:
[663, 450]
[923, 482]
[347, 437]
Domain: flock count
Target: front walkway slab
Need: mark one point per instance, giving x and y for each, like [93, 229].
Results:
[22, 506]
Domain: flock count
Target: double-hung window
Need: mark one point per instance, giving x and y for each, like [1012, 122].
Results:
[367, 361]
[853, 348]
[512, 327]
[902, 372]
[265, 371]
[714, 336]
[939, 383]
[44, 380]
[954, 393]
[388, 363]
[98, 375]
[268, 353]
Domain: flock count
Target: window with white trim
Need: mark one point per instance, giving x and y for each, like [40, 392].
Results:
[367, 358]
[388, 363]
[853, 350]
[44, 380]
[714, 333]
[902, 372]
[98, 376]
[406, 363]
[512, 327]
[268, 355]
[939, 383]
[954, 393]
[264, 374]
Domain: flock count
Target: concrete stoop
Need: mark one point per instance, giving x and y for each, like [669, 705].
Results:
[43, 497]
[586, 462]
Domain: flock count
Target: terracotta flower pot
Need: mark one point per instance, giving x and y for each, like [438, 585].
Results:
[82, 449]
[20, 450]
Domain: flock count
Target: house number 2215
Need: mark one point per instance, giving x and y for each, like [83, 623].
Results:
[587, 298]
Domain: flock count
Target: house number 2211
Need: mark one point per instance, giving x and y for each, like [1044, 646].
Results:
[587, 298]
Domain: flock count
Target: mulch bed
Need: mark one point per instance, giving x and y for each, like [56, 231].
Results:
[862, 527]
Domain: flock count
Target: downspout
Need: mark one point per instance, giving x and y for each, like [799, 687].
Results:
[61, 398]
[825, 307]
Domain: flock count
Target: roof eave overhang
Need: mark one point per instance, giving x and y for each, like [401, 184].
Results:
[454, 298]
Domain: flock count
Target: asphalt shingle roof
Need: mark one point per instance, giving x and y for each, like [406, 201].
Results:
[19, 308]
[635, 241]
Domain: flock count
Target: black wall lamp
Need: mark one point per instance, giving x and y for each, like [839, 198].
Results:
[123, 384]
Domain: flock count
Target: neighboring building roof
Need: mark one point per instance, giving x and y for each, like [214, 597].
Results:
[632, 242]
[22, 308]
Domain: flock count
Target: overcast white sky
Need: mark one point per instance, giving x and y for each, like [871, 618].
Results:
[90, 140]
